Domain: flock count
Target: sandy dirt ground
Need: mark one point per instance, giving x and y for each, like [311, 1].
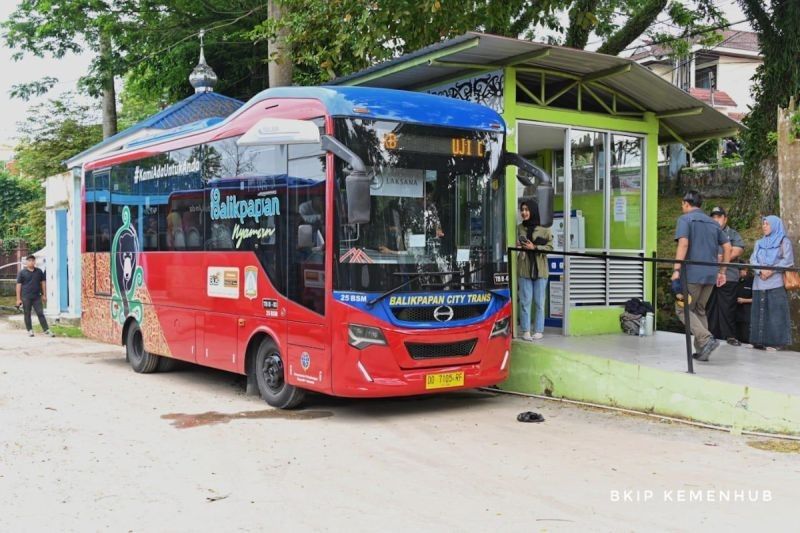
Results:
[86, 445]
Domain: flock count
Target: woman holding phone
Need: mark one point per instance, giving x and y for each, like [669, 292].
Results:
[532, 269]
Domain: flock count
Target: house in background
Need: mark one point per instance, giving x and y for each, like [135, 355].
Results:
[719, 75]
[63, 191]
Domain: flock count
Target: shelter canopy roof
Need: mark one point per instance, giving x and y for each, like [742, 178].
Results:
[678, 111]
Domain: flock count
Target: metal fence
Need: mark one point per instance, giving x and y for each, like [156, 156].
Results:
[656, 261]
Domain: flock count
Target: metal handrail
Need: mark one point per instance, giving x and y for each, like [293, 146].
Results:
[658, 261]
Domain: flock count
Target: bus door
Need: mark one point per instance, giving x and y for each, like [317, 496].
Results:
[308, 328]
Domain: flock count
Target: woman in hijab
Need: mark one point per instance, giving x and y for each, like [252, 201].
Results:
[770, 328]
[532, 269]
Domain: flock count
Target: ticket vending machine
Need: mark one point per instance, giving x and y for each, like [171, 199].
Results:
[556, 299]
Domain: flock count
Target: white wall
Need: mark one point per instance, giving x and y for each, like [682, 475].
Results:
[734, 76]
[58, 195]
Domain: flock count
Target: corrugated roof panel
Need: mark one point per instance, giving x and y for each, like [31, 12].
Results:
[639, 84]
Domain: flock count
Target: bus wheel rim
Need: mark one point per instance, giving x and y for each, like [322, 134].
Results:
[273, 372]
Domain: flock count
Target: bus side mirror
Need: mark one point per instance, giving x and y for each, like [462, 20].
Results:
[356, 183]
[358, 197]
[305, 236]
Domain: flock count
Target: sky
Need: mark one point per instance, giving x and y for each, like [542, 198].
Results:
[70, 68]
[13, 110]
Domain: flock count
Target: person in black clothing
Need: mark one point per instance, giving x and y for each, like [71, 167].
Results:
[722, 304]
[30, 294]
[744, 299]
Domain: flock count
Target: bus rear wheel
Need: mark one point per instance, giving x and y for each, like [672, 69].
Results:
[140, 359]
[271, 378]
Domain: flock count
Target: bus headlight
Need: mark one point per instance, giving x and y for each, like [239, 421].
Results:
[363, 336]
[501, 327]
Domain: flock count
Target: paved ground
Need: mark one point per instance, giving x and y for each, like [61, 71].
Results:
[775, 371]
[86, 444]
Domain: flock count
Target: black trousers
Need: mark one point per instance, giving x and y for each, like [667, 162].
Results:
[36, 304]
[722, 311]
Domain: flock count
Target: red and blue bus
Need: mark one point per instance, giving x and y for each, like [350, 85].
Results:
[347, 241]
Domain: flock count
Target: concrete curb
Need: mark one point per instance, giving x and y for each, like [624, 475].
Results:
[537, 369]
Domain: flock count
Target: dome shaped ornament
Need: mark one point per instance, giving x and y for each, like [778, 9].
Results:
[203, 78]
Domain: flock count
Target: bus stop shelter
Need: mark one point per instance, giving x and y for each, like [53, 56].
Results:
[594, 122]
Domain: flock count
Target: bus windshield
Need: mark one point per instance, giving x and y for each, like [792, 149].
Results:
[437, 206]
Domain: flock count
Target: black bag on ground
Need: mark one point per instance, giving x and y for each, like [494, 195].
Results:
[636, 306]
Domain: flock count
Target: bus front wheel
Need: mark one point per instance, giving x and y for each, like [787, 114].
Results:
[140, 359]
[271, 378]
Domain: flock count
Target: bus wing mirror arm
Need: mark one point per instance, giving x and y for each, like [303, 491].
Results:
[335, 146]
[544, 189]
[527, 170]
[357, 181]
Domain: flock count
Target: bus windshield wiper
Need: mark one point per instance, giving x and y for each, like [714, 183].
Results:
[414, 277]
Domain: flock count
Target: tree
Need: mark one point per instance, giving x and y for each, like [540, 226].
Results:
[165, 48]
[329, 39]
[54, 131]
[21, 210]
[776, 80]
[56, 28]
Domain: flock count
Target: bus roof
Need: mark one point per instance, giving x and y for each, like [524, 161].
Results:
[391, 104]
[365, 102]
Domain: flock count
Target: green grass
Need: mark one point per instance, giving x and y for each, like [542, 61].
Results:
[60, 330]
[7, 301]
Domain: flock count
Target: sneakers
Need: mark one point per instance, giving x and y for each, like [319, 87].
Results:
[733, 341]
[49, 333]
[705, 351]
[527, 336]
[30, 333]
[538, 336]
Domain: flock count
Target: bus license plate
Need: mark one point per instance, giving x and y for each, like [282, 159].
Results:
[444, 381]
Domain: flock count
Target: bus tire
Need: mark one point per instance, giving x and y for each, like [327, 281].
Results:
[271, 378]
[140, 359]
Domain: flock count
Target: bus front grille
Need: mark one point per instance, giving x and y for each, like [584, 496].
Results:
[425, 314]
[447, 349]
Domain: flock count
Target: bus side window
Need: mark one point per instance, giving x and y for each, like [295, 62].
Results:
[89, 211]
[306, 265]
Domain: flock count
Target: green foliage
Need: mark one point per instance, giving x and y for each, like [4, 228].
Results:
[707, 153]
[135, 108]
[163, 51]
[21, 211]
[56, 28]
[776, 80]
[153, 44]
[53, 132]
[795, 124]
[30, 223]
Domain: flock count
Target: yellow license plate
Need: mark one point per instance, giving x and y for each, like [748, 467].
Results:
[444, 381]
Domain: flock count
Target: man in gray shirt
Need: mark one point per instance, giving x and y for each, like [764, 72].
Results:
[722, 305]
[699, 238]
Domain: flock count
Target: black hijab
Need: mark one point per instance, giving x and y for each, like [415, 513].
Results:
[534, 219]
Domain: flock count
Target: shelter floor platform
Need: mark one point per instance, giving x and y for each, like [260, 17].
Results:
[774, 371]
[738, 388]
